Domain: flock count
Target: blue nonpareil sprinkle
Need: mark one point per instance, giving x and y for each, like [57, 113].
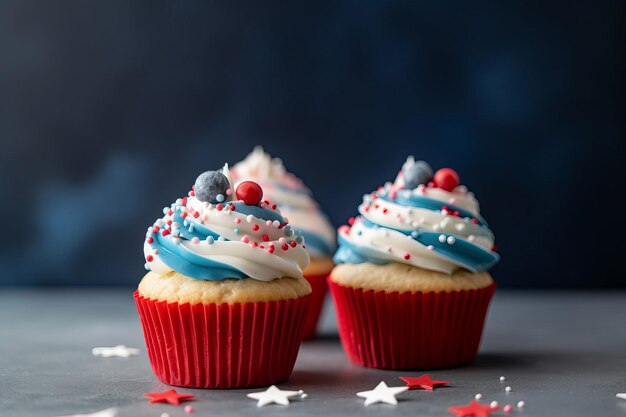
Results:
[236, 230]
[210, 240]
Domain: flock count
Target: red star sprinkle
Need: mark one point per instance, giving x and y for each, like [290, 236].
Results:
[473, 409]
[169, 396]
[422, 382]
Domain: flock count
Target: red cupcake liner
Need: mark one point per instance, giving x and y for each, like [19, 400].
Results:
[319, 287]
[222, 345]
[420, 330]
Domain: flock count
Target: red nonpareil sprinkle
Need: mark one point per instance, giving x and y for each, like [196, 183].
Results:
[456, 213]
[393, 194]
[237, 220]
[444, 207]
[184, 201]
[344, 229]
[165, 233]
[376, 206]
[231, 207]
[255, 227]
[270, 249]
[149, 258]
[285, 246]
[407, 256]
[254, 244]
[266, 238]
[183, 215]
[293, 243]
[191, 193]
[169, 222]
[261, 246]
[385, 211]
[196, 214]
[474, 221]
[156, 229]
[351, 221]
[219, 207]
[245, 239]
[170, 212]
[150, 240]
[367, 209]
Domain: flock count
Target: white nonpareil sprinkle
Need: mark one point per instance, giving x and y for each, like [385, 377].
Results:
[521, 404]
[502, 378]
[508, 389]
[493, 404]
[478, 396]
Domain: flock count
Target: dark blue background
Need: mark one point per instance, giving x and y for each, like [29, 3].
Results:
[109, 110]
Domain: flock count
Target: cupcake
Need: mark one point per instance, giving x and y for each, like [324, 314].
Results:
[303, 213]
[411, 288]
[224, 302]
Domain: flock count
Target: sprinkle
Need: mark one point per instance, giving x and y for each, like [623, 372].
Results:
[219, 207]
[351, 221]
[229, 192]
[146, 266]
[255, 227]
[197, 214]
[266, 238]
[474, 221]
[478, 396]
[221, 239]
[502, 379]
[188, 409]
[231, 207]
[430, 247]
[451, 200]
[195, 240]
[237, 220]
[156, 229]
[508, 389]
[156, 251]
[385, 211]
[150, 240]
[249, 218]
[165, 415]
[282, 240]
[276, 223]
[245, 239]
[407, 256]
[293, 243]
[165, 233]
[219, 198]
[210, 240]
[442, 238]
[451, 240]
[521, 404]
[269, 222]
[149, 258]
[285, 246]
[191, 228]
[493, 404]
[415, 234]
[183, 215]
[236, 230]
[507, 408]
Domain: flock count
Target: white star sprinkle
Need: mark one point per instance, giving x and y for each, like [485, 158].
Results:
[275, 395]
[109, 412]
[621, 395]
[382, 394]
[119, 351]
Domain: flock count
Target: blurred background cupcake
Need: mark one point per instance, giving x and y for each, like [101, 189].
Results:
[224, 302]
[412, 290]
[304, 215]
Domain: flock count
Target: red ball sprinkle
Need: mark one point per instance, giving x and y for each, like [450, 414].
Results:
[446, 179]
[184, 201]
[165, 233]
[270, 249]
[169, 222]
[351, 221]
[273, 206]
[285, 246]
[249, 192]
[231, 207]
[266, 238]
[170, 212]
[344, 229]
[293, 243]
[191, 193]
[245, 239]
[150, 240]
[156, 229]
[385, 211]
[149, 258]
[219, 207]
[183, 215]
[255, 227]
[196, 214]
[407, 256]
[474, 221]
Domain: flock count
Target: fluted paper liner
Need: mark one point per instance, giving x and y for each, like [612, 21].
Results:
[411, 330]
[319, 287]
[222, 345]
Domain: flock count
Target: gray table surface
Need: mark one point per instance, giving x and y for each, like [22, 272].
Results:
[563, 353]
